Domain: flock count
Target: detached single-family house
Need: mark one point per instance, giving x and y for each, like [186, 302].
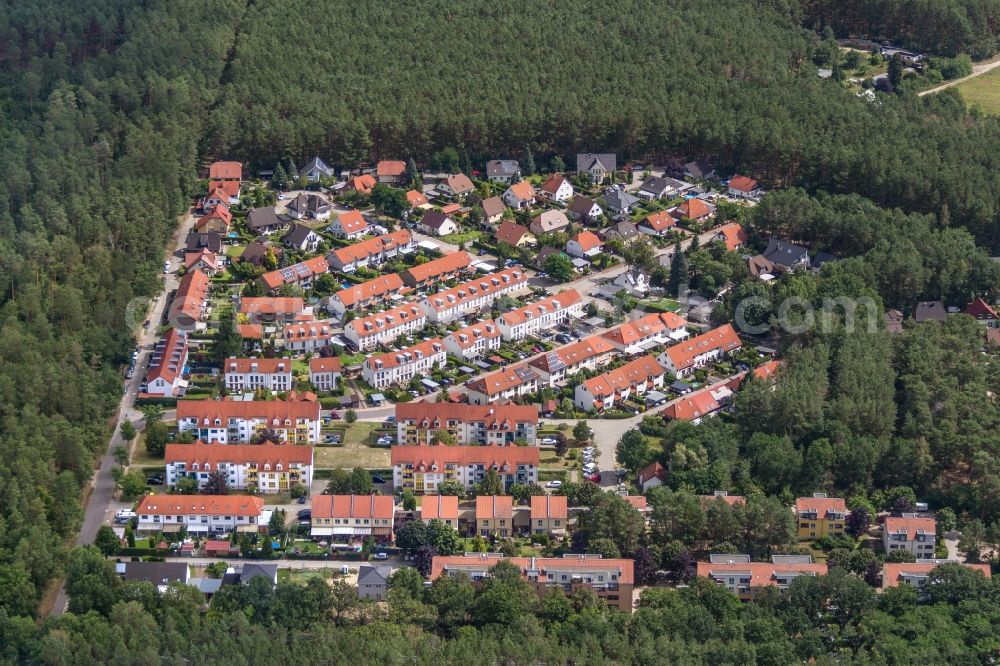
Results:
[308, 206]
[585, 245]
[624, 231]
[694, 209]
[519, 195]
[548, 222]
[417, 199]
[514, 234]
[350, 225]
[657, 224]
[633, 281]
[493, 209]
[981, 310]
[658, 187]
[316, 169]
[390, 172]
[266, 221]
[209, 240]
[652, 475]
[302, 238]
[619, 202]
[436, 223]
[217, 220]
[585, 210]
[206, 261]
[930, 311]
[503, 171]
[779, 257]
[597, 166]
[456, 186]
[733, 235]
[744, 187]
[373, 581]
[362, 184]
[557, 188]
[699, 170]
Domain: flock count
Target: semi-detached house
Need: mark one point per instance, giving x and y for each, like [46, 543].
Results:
[250, 374]
[372, 252]
[470, 425]
[609, 389]
[423, 469]
[549, 514]
[473, 296]
[495, 516]
[368, 294]
[399, 367]
[539, 316]
[562, 362]
[504, 384]
[238, 421]
[384, 327]
[201, 514]
[473, 341]
[264, 468]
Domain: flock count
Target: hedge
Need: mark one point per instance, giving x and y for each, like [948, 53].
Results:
[165, 402]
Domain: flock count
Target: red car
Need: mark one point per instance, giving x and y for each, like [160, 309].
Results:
[595, 477]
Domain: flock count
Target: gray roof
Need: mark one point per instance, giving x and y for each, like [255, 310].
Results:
[784, 254]
[252, 570]
[157, 573]
[255, 252]
[619, 199]
[209, 240]
[658, 186]
[316, 164]
[495, 168]
[581, 205]
[586, 161]
[263, 218]
[433, 219]
[698, 169]
[312, 203]
[206, 585]
[373, 575]
[930, 311]
[297, 235]
[623, 230]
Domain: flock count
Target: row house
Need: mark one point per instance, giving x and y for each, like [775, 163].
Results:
[268, 309]
[324, 372]
[437, 270]
[384, 327]
[473, 296]
[911, 533]
[701, 404]
[190, 300]
[424, 468]
[916, 574]
[349, 225]
[250, 374]
[164, 376]
[307, 336]
[239, 421]
[652, 330]
[505, 384]
[495, 516]
[473, 341]
[684, 358]
[607, 390]
[201, 514]
[611, 580]
[549, 514]
[353, 518]
[399, 367]
[372, 252]
[302, 274]
[264, 468]
[372, 293]
[532, 319]
[819, 516]
[474, 425]
[440, 507]
[740, 576]
[562, 362]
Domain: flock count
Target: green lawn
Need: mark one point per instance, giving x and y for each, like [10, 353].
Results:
[234, 251]
[661, 304]
[982, 91]
[462, 237]
[355, 451]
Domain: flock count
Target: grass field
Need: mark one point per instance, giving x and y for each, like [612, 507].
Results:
[982, 91]
[355, 452]
[462, 237]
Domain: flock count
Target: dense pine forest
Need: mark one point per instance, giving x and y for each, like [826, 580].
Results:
[108, 110]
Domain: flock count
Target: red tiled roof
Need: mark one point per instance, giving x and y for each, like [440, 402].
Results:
[269, 410]
[575, 353]
[468, 336]
[218, 213]
[189, 300]
[373, 246]
[426, 414]
[652, 470]
[761, 574]
[446, 265]
[298, 272]
[767, 370]
[376, 288]
[168, 357]
[212, 454]
[587, 240]
[893, 572]
[560, 301]
[272, 305]
[262, 365]
[439, 507]
[742, 184]
[553, 183]
[387, 320]
[460, 183]
[980, 309]
[416, 198]
[511, 232]
[693, 406]
[659, 221]
[693, 209]
[230, 187]
[311, 329]
[406, 355]
[550, 507]
[523, 190]
[731, 500]
[202, 505]
[493, 507]
[324, 364]
[390, 168]
[734, 235]
[205, 256]
[250, 331]
[500, 381]
[225, 171]
[683, 354]
[352, 221]
[820, 505]
[638, 502]
[477, 288]
[353, 506]
[910, 525]
[641, 329]
[629, 375]
[363, 183]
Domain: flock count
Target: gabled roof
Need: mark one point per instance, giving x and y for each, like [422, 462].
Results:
[218, 213]
[476, 288]
[693, 209]
[493, 206]
[511, 232]
[449, 263]
[553, 183]
[362, 183]
[210, 240]
[784, 254]
[406, 355]
[390, 168]
[980, 309]
[250, 331]
[910, 525]
[201, 505]
[582, 206]
[623, 230]
[460, 183]
[505, 168]
[316, 164]
[658, 222]
[633, 373]
[587, 161]
[190, 296]
[225, 171]
[620, 199]
[296, 273]
[548, 221]
[372, 247]
[272, 305]
[261, 218]
[761, 574]
[416, 199]
[169, 355]
[434, 219]
[324, 364]
[298, 234]
[549, 507]
[893, 573]
[821, 506]
[273, 411]
[683, 354]
[742, 184]
[376, 288]
[468, 336]
[206, 256]
[930, 311]
[560, 301]
[439, 507]
[697, 405]
[587, 240]
[767, 370]
[733, 235]
[494, 507]
[653, 470]
[373, 575]
[504, 458]
[522, 190]
[503, 380]
[387, 320]
[352, 221]
[209, 456]
[436, 415]
[641, 329]
[268, 366]
[573, 354]
[379, 507]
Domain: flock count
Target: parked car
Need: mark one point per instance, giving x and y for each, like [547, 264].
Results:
[155, 480]
[124, 516]
[381, 556]
[589, 467]
[595, 477]
[376, 478]
[166, 266]
[563, 338]
[302, 500]
[555, 483]
[334, 415]
[304, 514]
[549, 440]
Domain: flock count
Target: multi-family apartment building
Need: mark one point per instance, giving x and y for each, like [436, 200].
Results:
[436, 270]
[473, 425]
[640, 335]
[473, 296]
[612, 580]
[605, 391]
[372, 293]
[741, 576]
[423, 468]
[324, 372]
[539, 316]
[495, 516]
[399, 367]
[239, 421]
[819, 516]
[562, 362]
[263, 468]
[473, 341]
[164, 375]
[372, 252]
[440, 507]
[550, 514]
[306, 335]
[250, 374]
[912, 533]
[384, 327]
[346, 518]
[505, 384]
[685, 357]
[915, 574]
[201, 514]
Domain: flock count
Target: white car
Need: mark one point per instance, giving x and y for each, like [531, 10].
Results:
[166, 266]
[548, 440]
[589, 467]
[124, 516]
[555, 483]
